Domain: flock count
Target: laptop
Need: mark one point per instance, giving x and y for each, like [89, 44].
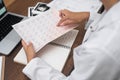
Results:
[8, 37]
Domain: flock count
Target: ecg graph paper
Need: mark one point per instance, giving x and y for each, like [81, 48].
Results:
[41, 29]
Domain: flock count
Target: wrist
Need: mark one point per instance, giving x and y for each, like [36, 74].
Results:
[81, 16]
[86, 16]
[30, 57]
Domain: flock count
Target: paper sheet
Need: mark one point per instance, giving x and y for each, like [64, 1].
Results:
[0, 66]
[54, 55]
[67, 39]
[42, 29]
[77, 5]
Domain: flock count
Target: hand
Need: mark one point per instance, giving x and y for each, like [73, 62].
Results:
[29, 50]
[68, 17]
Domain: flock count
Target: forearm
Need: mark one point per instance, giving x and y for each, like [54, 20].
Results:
[81, 16]
[85, 15]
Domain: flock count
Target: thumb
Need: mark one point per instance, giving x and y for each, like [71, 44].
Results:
[31, 48]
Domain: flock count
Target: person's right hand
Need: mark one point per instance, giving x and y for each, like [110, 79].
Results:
[68, 17]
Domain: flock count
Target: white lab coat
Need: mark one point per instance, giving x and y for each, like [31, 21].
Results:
[97, 58]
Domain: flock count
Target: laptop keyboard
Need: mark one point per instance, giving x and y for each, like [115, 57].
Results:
[5, 24]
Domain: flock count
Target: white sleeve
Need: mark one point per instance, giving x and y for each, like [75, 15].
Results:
[89, 65]
[94, 7]
[38, 69]
[93, 64]
[92, 18]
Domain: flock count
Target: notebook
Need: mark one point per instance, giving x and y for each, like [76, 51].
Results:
[2, 65]
[55, 53]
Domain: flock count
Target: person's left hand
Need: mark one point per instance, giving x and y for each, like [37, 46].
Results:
[29, 50]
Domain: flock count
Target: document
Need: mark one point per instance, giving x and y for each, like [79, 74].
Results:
[77, 5]
[54, 53]
[42, 29]
[2, 65]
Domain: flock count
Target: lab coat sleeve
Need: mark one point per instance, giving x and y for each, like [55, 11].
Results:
[89, 65]
[93, 63]
[92, 17]
[38, 69]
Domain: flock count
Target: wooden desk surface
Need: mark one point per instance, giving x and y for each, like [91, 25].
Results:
[13, 71]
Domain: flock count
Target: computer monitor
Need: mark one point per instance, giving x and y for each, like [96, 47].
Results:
[2, 8]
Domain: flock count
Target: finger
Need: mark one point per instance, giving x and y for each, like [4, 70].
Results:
[24, 44]
[30, 52]
[61, 21]
[60, 13]
[63, 13]
[31, 48]
[67, 22]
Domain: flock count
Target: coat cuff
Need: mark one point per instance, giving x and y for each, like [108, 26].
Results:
[38, 68]
[29, 69]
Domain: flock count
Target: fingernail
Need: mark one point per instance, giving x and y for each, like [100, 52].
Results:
[61, 24]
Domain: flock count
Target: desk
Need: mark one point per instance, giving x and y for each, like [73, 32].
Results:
[13, 71]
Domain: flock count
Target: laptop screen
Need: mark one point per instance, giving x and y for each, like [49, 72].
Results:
[2, 8]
